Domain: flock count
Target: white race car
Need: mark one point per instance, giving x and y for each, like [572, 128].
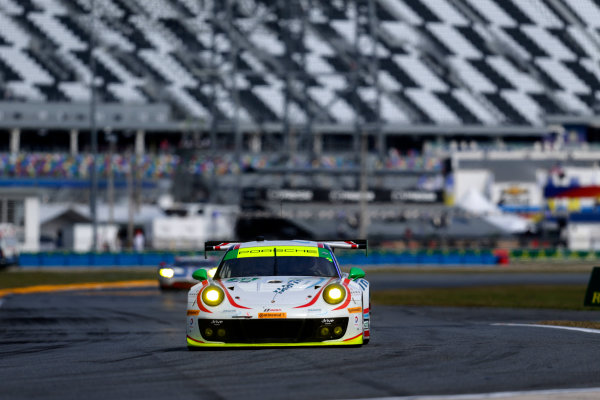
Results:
[279, 293]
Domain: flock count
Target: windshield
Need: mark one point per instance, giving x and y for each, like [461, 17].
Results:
[278, 261]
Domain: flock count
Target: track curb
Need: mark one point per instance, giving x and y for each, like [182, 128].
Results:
[79, 286]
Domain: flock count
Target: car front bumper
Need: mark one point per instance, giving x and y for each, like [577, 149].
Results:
[273, 332]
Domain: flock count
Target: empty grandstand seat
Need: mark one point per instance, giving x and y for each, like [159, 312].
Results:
[483, 62]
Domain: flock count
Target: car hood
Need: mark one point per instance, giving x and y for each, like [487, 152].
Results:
[272, 290]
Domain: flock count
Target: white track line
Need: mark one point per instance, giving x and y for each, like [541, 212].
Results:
[591, 393]
[567, 328]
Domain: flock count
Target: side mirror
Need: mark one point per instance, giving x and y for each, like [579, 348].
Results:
[201, 275]
[356, 273]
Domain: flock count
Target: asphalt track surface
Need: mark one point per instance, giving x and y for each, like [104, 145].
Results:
[383, 281]
[115, 344]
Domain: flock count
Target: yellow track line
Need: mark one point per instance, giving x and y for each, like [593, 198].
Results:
[79, 286]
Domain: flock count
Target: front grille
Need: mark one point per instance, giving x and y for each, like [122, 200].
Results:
[272, 330]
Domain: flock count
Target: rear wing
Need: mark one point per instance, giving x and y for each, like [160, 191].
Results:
[217, 245]
[357, 244]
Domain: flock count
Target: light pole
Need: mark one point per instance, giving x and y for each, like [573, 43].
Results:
[93, 129]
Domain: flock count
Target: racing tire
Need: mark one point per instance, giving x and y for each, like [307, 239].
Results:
[366, 341]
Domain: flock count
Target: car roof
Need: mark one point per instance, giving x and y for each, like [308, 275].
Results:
[193, 258]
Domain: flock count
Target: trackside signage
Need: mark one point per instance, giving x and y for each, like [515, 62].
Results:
[592, 295]
[307, 195]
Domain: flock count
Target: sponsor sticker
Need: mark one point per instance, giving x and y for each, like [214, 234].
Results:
[193, 312]
[291, 283]
[272, 315]
[354, 310]
[242, 280]
[363, 283]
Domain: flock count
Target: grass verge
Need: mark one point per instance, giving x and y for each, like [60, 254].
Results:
[19, 278]
[561, 297]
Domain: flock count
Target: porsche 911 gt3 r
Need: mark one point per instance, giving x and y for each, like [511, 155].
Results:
[279, 293]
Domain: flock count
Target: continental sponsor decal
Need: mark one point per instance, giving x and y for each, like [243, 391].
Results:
[415, 196]
[354, 310]
[193, 312]
[290, 195]
[282, 251]
[263, 315]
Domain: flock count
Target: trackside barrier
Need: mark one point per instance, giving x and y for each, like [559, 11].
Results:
[422, 257]
[125, 259]
[553, 254]
[149, 258]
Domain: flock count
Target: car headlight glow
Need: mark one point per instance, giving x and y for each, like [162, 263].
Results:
[166, 272]
[334, 293]
[211, 272]
[212, 296]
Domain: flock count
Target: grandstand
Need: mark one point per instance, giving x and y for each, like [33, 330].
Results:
[418, 66]
[221, 95]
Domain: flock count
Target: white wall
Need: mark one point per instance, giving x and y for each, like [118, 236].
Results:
[171, 233]
[472, 178]
[82, 237]
[32, 225]
[583, 236]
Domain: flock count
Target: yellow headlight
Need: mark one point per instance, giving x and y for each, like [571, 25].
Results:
[212, 296]
[334, 293]
[166, 272]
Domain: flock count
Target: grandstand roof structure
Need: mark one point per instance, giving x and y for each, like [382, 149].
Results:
[391, 66]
